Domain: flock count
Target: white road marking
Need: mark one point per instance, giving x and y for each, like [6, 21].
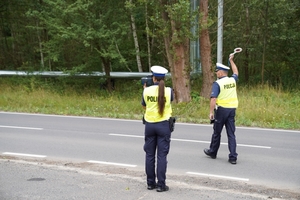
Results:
[23, 154]
[70, 116]
[219, 176]
[196, 141]
[247, 145]
[139, 121]
[124, 135]
[110, 163]
[20, 127]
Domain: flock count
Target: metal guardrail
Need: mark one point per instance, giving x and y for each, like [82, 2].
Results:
[60, 73]
[96, 74]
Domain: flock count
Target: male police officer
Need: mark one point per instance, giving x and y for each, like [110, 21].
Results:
[223, 104]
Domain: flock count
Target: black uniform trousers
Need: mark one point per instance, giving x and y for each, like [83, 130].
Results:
[157, 141]
[224, 116]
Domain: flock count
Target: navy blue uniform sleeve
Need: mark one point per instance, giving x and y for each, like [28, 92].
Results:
[236, 77]
[215, 91]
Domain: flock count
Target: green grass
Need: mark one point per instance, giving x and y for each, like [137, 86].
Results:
[268, 107]
[260, 106]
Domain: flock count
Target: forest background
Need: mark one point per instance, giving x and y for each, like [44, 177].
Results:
[76, 36]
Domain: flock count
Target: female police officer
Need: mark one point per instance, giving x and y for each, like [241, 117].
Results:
[157, 103]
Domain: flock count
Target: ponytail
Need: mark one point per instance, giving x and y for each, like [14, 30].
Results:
[161, 95]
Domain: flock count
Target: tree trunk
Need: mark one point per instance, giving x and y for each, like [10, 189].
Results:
[205, 51]
[136, 42]
[264, 42]
[181, 73]
[106, 64]
[180, 68]
[118, 50]
[246, 61]
[178, 59]
[40, 47]
[148, 38]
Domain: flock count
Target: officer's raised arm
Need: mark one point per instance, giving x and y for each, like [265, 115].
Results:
[233, 66]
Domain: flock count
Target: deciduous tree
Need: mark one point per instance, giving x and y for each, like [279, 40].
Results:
[205, 50]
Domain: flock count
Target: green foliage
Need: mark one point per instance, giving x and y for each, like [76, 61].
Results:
[269, 33]
[87, 35]
[84, 29]
[180, 14]
[184, 20]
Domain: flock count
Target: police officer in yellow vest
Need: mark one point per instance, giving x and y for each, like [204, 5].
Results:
[157, 103]
[223, 104]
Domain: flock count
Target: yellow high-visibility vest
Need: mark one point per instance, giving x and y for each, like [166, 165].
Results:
[228, 96]
[151, 99]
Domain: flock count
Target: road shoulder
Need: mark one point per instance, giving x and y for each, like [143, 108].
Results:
[22, 178]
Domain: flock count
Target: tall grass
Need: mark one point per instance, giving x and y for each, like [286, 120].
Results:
[260, 106]
[265, 106]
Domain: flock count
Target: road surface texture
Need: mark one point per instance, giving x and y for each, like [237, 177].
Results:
[23, 178]
[70, 157]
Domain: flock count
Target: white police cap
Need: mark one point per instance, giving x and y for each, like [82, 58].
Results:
[220, 66]
[158, 70]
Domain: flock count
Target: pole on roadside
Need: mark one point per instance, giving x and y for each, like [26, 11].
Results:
[194, 44]
[220, 31]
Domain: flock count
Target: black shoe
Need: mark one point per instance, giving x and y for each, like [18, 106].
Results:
[151, 187]
[162, 189]
[232, 161]
[207, 152]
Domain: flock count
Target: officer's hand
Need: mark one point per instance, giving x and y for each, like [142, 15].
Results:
[231, 56]
[145, 85]
[211, 116]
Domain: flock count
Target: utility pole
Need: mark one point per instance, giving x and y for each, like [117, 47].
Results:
[220, 31]
[194, 44]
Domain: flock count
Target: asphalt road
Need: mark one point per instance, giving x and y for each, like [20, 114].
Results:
[270, 158]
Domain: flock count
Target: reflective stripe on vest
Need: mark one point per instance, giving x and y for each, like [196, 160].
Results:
[151, 97]
[227, 97]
